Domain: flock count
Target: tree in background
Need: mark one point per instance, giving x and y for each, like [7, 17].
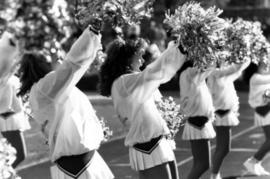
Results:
[249, 3]
[43, 25]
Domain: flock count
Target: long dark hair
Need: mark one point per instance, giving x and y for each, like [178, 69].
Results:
[33, 66]
[249, 72]
[119, 58]
[187, 64]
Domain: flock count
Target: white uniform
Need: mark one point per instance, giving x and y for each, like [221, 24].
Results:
[9, 101]
[134, 100]
[9, 86]
[73, 126]
[258, 85]
[221, 85]
[196, 100]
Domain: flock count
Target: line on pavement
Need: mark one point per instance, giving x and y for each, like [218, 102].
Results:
[190, 158]
[43, 160]
[214, 146]
[120, 165]
[243, 150]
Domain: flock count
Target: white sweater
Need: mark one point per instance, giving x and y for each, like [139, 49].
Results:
[195, 97]
[134, 97]
[257, 86]
[73, 125]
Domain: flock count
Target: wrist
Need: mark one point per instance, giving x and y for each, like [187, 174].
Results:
[92, 29]
[182, 49]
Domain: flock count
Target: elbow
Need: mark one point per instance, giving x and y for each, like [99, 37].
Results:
[85, 48]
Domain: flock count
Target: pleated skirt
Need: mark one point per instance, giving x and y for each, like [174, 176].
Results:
[231, 119]
[163, 153]
[261, 121]
[98, 169]
[192, 133]
[15, 122]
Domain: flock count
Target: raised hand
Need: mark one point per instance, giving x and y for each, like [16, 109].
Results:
[88, 12]
[182, 49]
[95, 25]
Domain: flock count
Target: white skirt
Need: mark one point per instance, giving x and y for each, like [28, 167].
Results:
[15, 122]
[261, 121]
[98, 169]
[161, 154]
[192, 133]
[231, 119]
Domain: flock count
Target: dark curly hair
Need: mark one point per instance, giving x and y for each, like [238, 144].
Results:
[249, 71]
[187, 64]
[119, 58]
[33, 67]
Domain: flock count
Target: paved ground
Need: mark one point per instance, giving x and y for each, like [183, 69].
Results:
[246, 139]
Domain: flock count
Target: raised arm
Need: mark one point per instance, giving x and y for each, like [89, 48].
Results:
[233, 71]
[160, 71]
[200, 76]
[82, 53]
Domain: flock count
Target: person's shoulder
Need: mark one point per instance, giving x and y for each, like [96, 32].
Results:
[255, 76]
[189, 70]
[123, 78]
[127, 80]
[46, 81]
[184, 74]
[258, 77]
[14, 81]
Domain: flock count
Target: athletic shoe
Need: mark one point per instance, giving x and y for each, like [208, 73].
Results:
[252, 166]
[261, 170]
[215, 176]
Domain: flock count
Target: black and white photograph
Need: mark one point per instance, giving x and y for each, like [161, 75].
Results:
[135, 89]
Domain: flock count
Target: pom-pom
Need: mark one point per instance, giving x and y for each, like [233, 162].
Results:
[7, 157]
[199, 32]
[116, 12]
[245, 41]
[87, 11]
[122, 12]
[107, 132]
[172, 114]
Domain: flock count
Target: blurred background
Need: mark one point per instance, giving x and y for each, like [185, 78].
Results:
[50, 26]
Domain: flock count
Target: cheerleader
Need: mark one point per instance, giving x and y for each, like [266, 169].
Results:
[133, 93]
[12, 119]
[67, 117]
[196, 102]
[226, 103]
[259, 86]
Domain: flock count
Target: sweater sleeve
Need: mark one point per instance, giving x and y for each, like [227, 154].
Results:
[143, 84]
[61, 81]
